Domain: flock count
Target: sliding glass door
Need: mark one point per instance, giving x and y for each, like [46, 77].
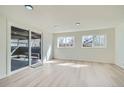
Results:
[35, 48]
[25, 48]
[19, 48]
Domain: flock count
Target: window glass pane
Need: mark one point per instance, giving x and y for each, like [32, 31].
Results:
[87, 41]
[61, 42]
[14, 42]
[35, 48]
[19, 48]
[69, 41]
[65, 42]
[99, 41]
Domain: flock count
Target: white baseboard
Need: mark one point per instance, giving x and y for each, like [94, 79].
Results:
[4, 76]
[85, 60]
[121, 66]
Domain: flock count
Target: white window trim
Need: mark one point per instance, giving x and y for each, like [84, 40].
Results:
[82, 42]
[66, 46]
[105, 44]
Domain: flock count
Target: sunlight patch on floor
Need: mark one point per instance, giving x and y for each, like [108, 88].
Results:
[50, 62]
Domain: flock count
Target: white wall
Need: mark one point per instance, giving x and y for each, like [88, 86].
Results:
[120, 45]
[89, 54]
[2, 46]
[47, 46]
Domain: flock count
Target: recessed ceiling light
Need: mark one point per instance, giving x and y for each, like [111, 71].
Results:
[78, 24]
[29, 7]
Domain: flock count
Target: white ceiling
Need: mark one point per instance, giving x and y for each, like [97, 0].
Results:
[63, 18]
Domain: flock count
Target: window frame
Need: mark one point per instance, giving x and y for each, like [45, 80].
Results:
[105, 41]
[65, 37]
[83, 41]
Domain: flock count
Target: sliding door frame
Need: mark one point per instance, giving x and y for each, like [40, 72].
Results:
[41, 47]
[9, 25]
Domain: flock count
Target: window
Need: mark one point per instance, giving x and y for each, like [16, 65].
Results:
[99, 41]
[65, 42]
[87, 41]
[94, 41]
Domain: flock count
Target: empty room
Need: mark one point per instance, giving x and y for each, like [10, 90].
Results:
[61, 46]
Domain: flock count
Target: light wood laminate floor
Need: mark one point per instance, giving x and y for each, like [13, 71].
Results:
[61, 73]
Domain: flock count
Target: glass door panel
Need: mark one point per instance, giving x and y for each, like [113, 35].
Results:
[19, 48]
[35, 48]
